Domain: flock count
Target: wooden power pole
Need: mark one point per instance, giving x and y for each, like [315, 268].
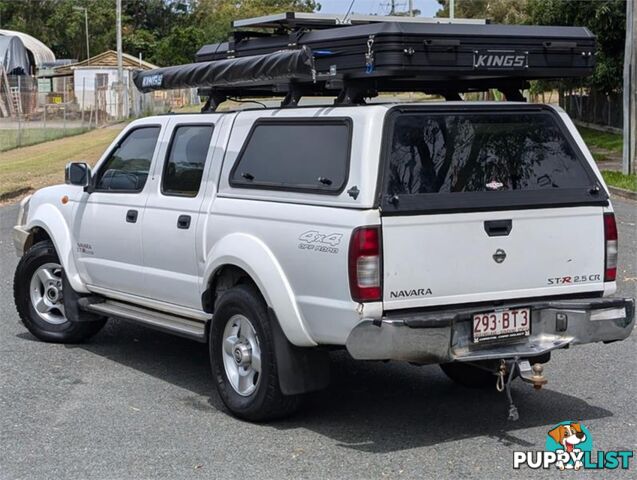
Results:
[630, 90]
[120, 72]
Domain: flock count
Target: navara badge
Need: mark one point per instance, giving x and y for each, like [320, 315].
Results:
[499, 256]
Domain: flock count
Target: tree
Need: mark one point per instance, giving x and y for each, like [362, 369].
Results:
[605, 18]
[179, 46]
[60, 27]
[498, 11]
[215, 16]
[165, 32]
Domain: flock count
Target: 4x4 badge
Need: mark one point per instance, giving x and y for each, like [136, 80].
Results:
[499, 255]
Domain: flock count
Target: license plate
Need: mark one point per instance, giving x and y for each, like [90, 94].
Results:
[501, 324]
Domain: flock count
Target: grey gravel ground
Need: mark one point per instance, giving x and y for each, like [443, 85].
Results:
[134, 403]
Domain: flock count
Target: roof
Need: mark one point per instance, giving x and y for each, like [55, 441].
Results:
[41, 53]
[105, 59]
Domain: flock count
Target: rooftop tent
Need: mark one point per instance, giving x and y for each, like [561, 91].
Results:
[14, 57]
[295, 55]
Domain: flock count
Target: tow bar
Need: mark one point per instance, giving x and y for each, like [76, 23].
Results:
[528, 373]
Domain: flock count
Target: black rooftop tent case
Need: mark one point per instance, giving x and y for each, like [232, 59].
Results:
[391, 56]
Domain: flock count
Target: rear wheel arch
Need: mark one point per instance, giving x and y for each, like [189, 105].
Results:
[250, 254]
[222, 279]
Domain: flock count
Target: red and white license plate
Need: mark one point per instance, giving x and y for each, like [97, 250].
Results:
[501, 324]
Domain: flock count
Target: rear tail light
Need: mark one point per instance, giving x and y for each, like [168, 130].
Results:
[610, 238]
[365, 264]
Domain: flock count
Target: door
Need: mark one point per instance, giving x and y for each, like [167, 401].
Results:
[108, 222]
[488, 205]
[170, 237]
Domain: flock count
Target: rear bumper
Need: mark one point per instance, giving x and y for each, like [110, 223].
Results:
[446, 335]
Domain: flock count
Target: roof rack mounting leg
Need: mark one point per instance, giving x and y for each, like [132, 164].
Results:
[451, 96]
[512, 94]
[213, 102]
[354, 95]
[292, 98]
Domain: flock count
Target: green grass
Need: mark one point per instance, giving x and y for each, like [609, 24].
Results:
[9, 138]
[612, 142]
[619, 180]
[43, 164]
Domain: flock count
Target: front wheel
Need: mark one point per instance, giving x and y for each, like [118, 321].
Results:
[39, 298]
[243, 360]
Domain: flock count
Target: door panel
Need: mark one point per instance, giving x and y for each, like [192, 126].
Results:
[108, 222]
[170, 236]
[109, 247]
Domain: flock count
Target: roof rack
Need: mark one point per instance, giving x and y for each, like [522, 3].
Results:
[320, 55]
[294, 20]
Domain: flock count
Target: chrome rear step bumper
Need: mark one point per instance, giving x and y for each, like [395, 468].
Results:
[446, 335]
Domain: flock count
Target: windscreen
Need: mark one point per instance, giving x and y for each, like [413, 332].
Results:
[482, 152]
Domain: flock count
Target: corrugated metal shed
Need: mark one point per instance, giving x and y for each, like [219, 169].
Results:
[13, 56]
[41, 53]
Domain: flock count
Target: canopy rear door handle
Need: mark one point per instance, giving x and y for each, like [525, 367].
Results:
[131, 216]
[498, 228]
[183, 222]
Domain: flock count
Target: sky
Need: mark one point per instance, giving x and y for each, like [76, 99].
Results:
[380, 7]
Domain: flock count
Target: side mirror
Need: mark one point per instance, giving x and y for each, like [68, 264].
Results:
[77, 173]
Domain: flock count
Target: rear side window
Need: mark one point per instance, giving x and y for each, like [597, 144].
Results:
[126, 169]
[186, 160]
[296, 155]
[483, 159]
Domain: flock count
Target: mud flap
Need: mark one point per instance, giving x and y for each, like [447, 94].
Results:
[72, 307]
[300, 369]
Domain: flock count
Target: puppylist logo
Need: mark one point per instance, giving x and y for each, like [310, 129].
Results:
[569, 446]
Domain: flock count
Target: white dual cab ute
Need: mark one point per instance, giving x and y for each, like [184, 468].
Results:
[476, 236]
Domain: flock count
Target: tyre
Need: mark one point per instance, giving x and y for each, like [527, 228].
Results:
[242, 357]
[469, 375]
[39, 298]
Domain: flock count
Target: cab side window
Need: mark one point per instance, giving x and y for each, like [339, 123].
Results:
[186, 160]
[127, 167]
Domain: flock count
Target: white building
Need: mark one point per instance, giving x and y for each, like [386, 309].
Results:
[95, 82]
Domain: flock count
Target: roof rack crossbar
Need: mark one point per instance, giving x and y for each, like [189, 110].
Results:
[313, 21]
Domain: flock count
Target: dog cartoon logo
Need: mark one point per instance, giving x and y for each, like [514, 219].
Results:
[572, 439]
[569, 446]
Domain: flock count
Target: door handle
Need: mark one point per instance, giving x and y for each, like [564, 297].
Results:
[183, 222]
[131, 216]
[498, 228]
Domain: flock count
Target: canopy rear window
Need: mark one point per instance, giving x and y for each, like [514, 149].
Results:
[482, 159]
